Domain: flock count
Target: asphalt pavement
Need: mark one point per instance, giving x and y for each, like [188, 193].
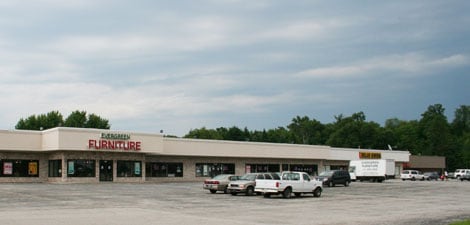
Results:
[392, 202]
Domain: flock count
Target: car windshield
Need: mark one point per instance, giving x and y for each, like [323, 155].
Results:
[326, 173]
[248, 177]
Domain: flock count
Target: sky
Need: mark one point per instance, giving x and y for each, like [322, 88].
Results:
[174, 66]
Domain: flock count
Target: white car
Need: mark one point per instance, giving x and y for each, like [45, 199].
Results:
[290, 182]
[411, 175]
[460, 172]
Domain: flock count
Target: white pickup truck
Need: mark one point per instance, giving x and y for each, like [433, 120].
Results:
[290, 182]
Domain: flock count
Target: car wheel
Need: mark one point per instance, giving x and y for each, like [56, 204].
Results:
[287, 193]
[249, 191]
[413, 178]
[317, 192]
[213, 191]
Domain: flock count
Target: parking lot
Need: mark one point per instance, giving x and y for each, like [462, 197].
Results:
[391, 202]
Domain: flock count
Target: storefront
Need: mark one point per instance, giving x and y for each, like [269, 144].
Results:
[73, 155]
[426, 163]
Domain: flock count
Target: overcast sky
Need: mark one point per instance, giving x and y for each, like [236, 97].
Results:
[179, 65]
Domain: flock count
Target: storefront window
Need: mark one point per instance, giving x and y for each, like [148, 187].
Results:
[129, 168]
[262, 168]
[19, 168]
[308, 168]
[214, 169]
[55, 168]
[81, 168]
[161, 169]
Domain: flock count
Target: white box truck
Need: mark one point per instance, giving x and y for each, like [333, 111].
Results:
[375, 170]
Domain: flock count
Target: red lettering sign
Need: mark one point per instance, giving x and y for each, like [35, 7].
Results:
[114, 145]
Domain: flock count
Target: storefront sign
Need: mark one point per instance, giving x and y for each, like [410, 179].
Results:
[33, 168]
[71, 168]
[370, 155]
[137, 168]
[111, 136]
[115, 141]
[7, 168]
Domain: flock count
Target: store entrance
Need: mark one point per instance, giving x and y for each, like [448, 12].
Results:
[106, 170]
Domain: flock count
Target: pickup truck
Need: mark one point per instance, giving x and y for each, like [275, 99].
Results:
[290, 182]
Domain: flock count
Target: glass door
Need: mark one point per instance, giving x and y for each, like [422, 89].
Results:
[106, 170]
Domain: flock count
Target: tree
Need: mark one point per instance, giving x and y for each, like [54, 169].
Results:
[354, 132]
[55, 119]
[464, 151]
[406, 136]
[204, 133]
[461, 123]
[76, 119]
[278, 135]
[306, 131]
[42, 121]
[435, 131]
[437, 137]
[461, 129]
[95, 121]
[235, 134]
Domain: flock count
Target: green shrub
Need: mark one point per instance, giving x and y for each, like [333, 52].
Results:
[464, 222]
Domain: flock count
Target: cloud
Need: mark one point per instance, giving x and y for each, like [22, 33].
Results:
[31, 67]
[175, 63]
[402, 65]
[298, 30]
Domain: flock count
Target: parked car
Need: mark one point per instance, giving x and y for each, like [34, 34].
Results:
[334, 177]
[219, 183]
[450, 175]
[431, 176]
[291, 182]
[460, 172]
[411, 175]
[465, 176]
[246, 184]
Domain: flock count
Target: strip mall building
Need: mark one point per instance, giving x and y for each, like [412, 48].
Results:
[71, 155]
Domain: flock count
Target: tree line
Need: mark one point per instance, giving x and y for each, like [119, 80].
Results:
[431, 135]
[55, 119]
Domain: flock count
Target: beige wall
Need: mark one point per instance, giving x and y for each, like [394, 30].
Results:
[193, 147]
[343, 154]
[423, 162]
[353, 154]
[20, 140]
[76, 139]
[398, 156]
